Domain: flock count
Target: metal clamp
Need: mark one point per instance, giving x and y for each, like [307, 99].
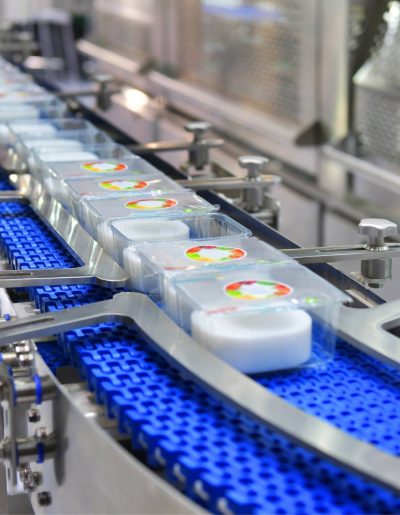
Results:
[217, 377]
[198, 148]
[376, 255]
[255, 187]
[98, 267]
[103, 94]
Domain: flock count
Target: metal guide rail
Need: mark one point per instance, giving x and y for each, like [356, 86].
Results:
[253, 400]
[230, 443]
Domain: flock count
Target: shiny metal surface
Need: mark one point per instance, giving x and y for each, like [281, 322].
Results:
[98, 267]
[315, 255]
[216, 376]
[80, 477]
[368, 330]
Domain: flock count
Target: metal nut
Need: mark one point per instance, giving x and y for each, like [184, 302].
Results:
[44, 498]
[33, 415]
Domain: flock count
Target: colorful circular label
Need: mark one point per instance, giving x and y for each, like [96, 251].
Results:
[214, 254]
[152, 203]
[121, 185]
[104, 167]
[257, 290]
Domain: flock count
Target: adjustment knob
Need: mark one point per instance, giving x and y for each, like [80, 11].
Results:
[198, 129]
[377, 229]
[255, 165]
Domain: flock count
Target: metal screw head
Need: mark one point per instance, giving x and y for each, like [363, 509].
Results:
[103, 78]
[33, 415]
[198, 128]
[44, 498]
[255, 165]
[377, 229]
[26, 360]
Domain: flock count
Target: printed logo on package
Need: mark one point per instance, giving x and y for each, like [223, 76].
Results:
[120, 185]
[214, 253]
[257, 290]
[151, 204]
[104, 167]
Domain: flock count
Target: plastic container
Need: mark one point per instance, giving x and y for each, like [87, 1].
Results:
[261, 318]
[112, 159]
[129, 184]
[96, 214]
[51, 168]
[40, 129]
[157, 264]
[185, 228]
[63, 141]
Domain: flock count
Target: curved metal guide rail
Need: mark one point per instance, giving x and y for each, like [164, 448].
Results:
[97, 266]
[219, 378]
[369, 331]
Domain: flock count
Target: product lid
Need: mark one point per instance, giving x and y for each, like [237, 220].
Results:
[200, 254]
[121, 184]
[147, 206]
[274, 287]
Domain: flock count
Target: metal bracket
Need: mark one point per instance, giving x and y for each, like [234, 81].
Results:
[314, 255]
[98, 267]
[103, 93]
[219, 379]
[198, 148]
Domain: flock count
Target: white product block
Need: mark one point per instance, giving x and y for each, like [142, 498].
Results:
[255, 342]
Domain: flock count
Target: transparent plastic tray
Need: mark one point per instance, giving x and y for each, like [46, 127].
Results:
[171, 228]
[125, 184]
[260, 318]
[156, 264]
[96, 214]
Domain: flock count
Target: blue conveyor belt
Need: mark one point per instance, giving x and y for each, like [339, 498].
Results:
[184, 431]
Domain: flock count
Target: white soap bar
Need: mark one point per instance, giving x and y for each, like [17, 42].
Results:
[52, 184]
[44, 130]
[60, 157]
[53, 145]
[142, 230]
[253, 342]
[147, 230]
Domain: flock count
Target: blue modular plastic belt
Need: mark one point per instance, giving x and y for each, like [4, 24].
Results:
[187, 433]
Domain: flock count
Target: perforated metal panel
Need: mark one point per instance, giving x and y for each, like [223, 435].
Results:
[377, 107]
[249, 51]
[124, 26]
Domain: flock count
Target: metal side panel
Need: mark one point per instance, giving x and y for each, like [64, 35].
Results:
[92, 472]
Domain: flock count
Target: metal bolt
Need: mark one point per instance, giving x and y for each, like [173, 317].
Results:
[26, 360]
[44, 498]
[255, 165]
[37, 478]
[25, 473]
[33, 415]
[377, 229]
[41, 433]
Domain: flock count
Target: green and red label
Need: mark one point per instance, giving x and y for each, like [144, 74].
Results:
[121, 185]
[214, 253]
[104, 167]
[257, 290]
[151, 204]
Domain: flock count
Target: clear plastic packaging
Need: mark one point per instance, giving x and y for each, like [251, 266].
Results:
[156, 264]
[62, 142]
[260, 318]
[130, 184]
[39, 129]
[127, 239]
[96, 214]
[112, 159]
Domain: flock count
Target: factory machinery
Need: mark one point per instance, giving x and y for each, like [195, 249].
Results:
[138, 298]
